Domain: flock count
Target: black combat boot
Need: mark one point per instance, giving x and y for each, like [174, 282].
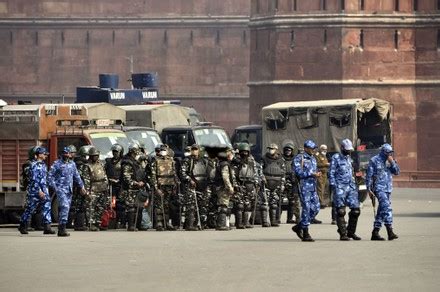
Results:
[391, 234]
[94, 227]
[239, 219]
[306, 235]
[131, 217]
[297, 229]
[48, 229]
[221, 222]
[246, 218]
[62, 230]
[189, 222]
[290, 214]
[159, 222]
[79, 224]
[23, 228]
[375, 234]
[38, 220]
[340, 221]
[273, 218]
[352, 223]
[315, 221]
[264, 221]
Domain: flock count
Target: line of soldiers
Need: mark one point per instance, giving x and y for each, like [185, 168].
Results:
[198, 192]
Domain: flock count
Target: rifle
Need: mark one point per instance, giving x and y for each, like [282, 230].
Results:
[163, 210]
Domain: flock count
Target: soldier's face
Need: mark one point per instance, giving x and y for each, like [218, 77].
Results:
[195, 152]
[116, 154]
[309, 151]
[230, 155]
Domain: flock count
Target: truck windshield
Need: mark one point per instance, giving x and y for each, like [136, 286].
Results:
[211, 137]
[148, 138]
[104, 142]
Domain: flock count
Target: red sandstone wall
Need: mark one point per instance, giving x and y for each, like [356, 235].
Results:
[390, 62]
[194, 60]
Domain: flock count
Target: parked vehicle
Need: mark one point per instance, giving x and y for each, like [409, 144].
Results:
[53, 126]
[365, 122]
[251, 134]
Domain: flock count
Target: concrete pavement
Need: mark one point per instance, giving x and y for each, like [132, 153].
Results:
[259, 259]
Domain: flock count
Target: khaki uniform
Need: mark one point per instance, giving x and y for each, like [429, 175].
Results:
[321, 185]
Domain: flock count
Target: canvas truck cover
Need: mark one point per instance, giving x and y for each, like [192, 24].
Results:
[156, 116]
[324, 121]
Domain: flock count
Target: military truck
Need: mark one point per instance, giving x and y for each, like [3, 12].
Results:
[212, 138]
[366, 122]
[53, 126]
[251, 134]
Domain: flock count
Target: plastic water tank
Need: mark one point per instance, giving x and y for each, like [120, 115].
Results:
[108, 80]
[144, 80]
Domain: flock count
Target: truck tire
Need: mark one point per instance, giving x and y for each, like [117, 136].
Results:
[362, 196]
[55, 210]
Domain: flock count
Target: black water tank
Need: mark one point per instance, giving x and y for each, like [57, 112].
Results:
[108, 80]
[144, 80]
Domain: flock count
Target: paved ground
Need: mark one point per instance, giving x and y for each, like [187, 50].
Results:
[238, 260]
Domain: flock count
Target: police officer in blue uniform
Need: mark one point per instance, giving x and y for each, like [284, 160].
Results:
[379, 183]
[344, 188]
[38, 193]
[62, 176]
[305, 167]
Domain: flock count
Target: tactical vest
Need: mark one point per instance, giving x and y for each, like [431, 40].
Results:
[138, 172]
[26, 173]
[246, 171]
[165, 171]
[98, 178]
[290, 174]
[211, 169]
[113, 169]
[199, 169]
[273, 171]
[218, 180]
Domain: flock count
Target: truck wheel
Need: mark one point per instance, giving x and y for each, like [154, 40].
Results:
[2, 217]
[55, 210]
[362, 196]
[13, 217]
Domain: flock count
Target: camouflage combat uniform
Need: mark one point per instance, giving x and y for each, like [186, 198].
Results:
[274, 173]
[163, 179]
[98, 199]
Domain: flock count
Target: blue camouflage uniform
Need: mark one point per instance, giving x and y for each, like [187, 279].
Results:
[37, 183]
[379, 181]
[342, 181]
[305, 166]
[62, 175]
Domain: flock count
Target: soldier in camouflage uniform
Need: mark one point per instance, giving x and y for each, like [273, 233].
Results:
[96, 183]
[224, 187]
[291, 190]
[79, 202]
[113, 171]
[306, 169]
[379, 181]
[194, 174]
[38, 193]
[62, 177]
[274, 171]
[133, 181]
[212, 204]
[163, 179]
[246, 173]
